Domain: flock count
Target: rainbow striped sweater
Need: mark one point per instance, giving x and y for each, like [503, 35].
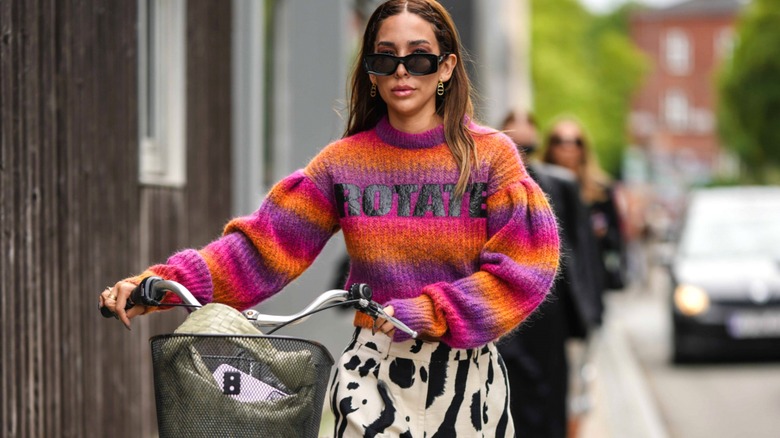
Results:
[462, 271]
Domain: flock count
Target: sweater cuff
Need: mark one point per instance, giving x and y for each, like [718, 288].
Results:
[420, 315]
[187, 268]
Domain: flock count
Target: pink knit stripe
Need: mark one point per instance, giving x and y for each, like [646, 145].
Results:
[244, 277]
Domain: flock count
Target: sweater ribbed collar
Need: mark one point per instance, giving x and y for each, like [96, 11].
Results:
[423, 140]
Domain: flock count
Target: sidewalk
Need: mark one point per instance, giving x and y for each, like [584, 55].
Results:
[622, 404]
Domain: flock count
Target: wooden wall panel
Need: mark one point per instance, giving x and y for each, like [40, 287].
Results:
[73, 218]
[208, 118]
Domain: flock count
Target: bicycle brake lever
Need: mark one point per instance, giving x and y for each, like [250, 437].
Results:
[380, 311]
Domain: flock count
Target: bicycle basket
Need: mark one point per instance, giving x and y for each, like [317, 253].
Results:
[231, 385]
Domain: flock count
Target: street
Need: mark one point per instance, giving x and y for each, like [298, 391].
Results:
[640, 393]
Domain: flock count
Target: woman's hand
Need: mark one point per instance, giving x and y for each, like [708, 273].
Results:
[383, 326]
[115, 298]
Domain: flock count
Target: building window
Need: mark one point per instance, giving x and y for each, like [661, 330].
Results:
[162, 91]
[642, 123]
[677, 52]
[676, 110]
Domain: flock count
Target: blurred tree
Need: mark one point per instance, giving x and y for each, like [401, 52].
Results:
[749, 87]
[586, 65]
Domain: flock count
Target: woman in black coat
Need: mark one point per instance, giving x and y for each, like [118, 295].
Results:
[535, 354]
[568, 146]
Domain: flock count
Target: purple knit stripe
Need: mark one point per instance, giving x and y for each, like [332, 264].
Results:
[468, 296]
[480, 317]
[296, 238]
[400, 139]
[471, 323]
[403, 281]
[502, 284]
[533, 223]
[298, 193]
[499, 217]
[531, 230]
[291, 226]
[261, 253]
[536, 277]
[478, 332]
[537, 230]
[245, 277]
[503, 281]
[514, 200]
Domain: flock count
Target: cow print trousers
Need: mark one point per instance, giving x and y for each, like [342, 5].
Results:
[419, 389]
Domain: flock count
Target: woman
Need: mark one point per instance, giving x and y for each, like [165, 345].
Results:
[535, 355]
[438, 216]
[567, 146]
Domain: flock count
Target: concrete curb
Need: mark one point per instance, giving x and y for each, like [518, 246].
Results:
[627, 406]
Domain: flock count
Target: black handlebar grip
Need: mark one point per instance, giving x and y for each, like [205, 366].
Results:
[143, 293]
[106, 313]
[360, 290]
[134, 297]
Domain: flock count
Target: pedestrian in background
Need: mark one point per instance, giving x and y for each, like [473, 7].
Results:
[439, 216]
[535, 354]
[568, 146]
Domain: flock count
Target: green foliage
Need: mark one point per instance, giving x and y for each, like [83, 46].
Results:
[749, 88]
[587, 66]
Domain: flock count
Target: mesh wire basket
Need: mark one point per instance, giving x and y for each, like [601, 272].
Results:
[225, 385]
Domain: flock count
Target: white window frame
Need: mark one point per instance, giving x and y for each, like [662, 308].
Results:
[162, 89]
[677, 52]
[676, 107]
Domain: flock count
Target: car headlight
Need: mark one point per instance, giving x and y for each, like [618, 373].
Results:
[691, 300]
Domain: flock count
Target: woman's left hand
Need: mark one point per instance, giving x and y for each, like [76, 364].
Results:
[114, 298]
[383, 325]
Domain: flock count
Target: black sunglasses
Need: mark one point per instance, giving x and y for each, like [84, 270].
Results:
[556, 140]
[417, 64]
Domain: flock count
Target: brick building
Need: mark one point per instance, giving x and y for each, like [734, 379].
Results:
[673, 115]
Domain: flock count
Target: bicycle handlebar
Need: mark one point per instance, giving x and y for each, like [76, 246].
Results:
[151, 290]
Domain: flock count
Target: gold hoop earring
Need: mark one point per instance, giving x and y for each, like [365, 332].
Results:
[372, 93]
[440, 88]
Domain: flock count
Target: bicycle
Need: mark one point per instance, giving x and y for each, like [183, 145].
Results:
[233, 382]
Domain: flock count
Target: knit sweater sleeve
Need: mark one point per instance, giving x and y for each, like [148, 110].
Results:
[258, 254]
[517, 266]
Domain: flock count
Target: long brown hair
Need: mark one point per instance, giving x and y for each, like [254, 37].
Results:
[365, 112]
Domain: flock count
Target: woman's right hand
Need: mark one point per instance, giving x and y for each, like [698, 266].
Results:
[115, 298]
[384, 325]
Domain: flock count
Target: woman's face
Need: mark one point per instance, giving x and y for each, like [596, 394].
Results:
[408, 97]
[566, 145]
